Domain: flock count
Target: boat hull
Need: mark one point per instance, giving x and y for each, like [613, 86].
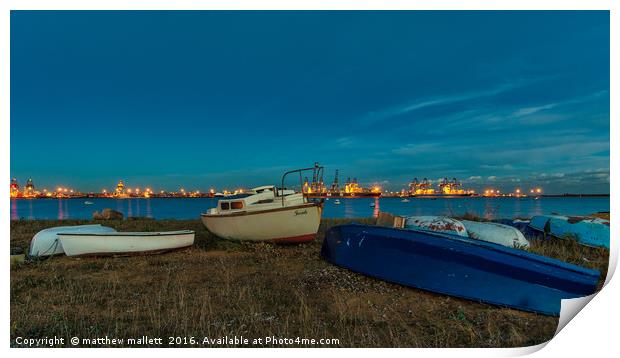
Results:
[458, 266]
[440, 224]
[124, 243]
[47, 243]
[294, 224]
[497, 233]
[587, 231]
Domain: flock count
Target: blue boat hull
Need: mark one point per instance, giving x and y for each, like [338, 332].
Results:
[587, 231]
[458, 266]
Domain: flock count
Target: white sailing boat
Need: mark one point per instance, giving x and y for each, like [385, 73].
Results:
[269, 214]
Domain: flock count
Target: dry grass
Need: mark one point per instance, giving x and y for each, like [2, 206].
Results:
[220, 288]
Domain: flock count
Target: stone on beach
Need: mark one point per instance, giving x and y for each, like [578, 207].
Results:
[108, 214]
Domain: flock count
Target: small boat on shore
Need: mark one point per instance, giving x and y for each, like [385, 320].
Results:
[440, 224]
[458, 266]
[46, 242]
[123, 243]
[486, 231]
[586, 230]
[497, 233]
[269, 214]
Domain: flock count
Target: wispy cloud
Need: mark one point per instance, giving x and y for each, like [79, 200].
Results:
[344, 142]
[415, 105]
[531, 110]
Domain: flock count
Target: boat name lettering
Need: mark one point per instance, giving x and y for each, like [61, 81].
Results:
[301, 212]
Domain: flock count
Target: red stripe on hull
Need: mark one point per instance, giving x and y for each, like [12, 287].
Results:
[294, 239]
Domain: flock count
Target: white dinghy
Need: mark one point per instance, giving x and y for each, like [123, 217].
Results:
[124, 243]
[269, 214]
[46, 243]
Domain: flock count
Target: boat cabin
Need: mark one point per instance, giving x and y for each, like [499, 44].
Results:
[268, 195]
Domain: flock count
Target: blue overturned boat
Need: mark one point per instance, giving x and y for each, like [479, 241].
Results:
[458, 266]
[587, 231]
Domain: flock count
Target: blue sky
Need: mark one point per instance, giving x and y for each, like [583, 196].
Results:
[227, 99]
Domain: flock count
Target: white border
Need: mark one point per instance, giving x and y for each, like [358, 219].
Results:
[592, 332]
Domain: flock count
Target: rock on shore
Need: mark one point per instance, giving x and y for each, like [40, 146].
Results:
[108, 214]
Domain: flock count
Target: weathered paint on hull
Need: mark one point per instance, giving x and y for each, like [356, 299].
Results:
[439, 224]
[290, 225]
[458, 266]
[587, 231]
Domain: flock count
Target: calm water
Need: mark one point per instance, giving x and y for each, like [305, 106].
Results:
[190, 208]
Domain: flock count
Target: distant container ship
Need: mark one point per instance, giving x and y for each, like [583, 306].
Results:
[351, 189]
[447, 189]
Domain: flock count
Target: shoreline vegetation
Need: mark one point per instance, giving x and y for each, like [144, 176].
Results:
[219, 288]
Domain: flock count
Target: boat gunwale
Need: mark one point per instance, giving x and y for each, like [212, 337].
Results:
[135, 234]
[256, 212]
[133, 253]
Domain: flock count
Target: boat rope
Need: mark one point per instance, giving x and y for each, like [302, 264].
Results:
[52, 248]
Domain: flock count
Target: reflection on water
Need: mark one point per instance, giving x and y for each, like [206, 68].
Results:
[177, 208]
[14, 215]
[348, 209]
[129, 212]
[491, 210]
[518, 208]
[149, 213]
[375, 213]
[61, 214]
[538, 207]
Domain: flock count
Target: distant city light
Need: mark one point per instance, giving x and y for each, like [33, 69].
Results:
[352, 187]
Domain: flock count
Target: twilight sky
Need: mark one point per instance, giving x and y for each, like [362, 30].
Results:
[228, 99]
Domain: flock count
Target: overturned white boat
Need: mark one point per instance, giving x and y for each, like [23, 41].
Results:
[485, 231]
[497, 233]
[441, 224]
[123, 243]
[46, 242]
[269, 214]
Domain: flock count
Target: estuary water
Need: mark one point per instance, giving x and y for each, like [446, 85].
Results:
[191, 208]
